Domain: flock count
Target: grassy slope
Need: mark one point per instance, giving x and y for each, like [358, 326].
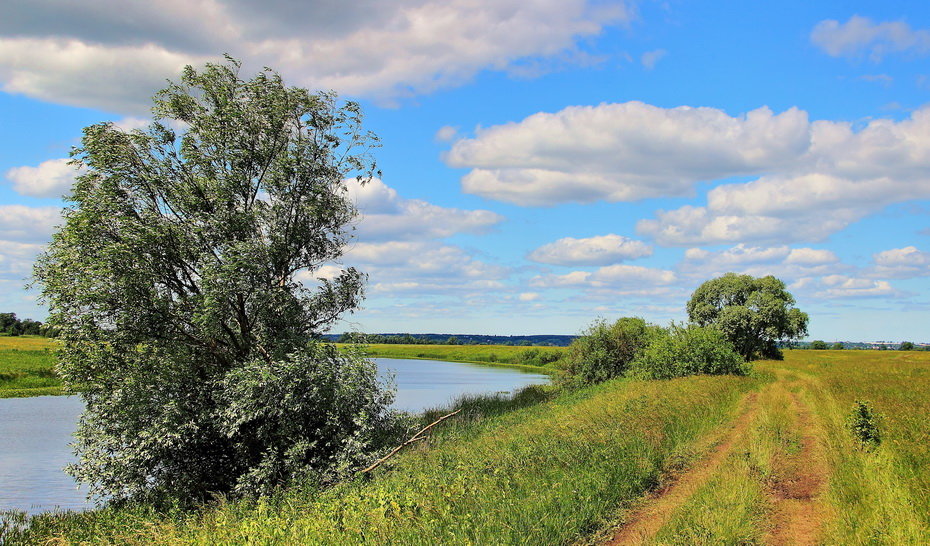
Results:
[548, 473]
[559, 469]
[27, 367]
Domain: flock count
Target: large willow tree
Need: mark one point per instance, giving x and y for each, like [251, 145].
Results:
[172, 281]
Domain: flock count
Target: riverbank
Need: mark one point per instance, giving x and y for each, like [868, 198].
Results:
[535, 359]
[768, 458]
[546, 467]
[27, 363]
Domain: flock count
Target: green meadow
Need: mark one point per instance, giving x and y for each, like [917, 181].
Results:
[27, 367]
[768, 458]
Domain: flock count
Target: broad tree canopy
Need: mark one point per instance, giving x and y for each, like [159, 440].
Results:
[753, 313]
[174, 283]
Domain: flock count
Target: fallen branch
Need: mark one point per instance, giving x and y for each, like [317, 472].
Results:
[415, 438]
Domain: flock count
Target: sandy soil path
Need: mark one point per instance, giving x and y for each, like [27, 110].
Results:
[645, 522]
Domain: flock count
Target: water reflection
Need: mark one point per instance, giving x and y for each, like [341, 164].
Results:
[35, 432]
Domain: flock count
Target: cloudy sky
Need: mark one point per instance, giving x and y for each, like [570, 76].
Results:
[545, 161]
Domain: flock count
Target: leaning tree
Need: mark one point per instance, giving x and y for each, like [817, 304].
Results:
[175, 284]
[753, 313]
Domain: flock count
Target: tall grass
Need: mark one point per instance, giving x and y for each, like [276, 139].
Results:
[550, 471]
[881, 495]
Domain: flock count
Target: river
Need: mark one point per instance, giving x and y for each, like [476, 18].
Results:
[35, 432]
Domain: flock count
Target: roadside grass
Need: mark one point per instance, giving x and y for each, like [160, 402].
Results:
[731, 506]
[880, 495]
[27, 367]
[548, 468]
[540, 359]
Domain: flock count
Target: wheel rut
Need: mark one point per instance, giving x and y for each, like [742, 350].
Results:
[645, 522]
[798, 512]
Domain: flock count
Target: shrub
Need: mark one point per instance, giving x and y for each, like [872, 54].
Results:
[680, 351]
[604, 351]
[292, 439]
[818, 345]
[863, 423]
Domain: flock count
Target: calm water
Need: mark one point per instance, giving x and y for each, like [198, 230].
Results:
[35, 432]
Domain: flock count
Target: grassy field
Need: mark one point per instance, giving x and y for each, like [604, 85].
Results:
[764, 459]
[27, 367]
[543, 359]
[549, 472]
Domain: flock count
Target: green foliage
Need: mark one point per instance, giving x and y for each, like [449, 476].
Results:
[753, 313]
[818, 345]
[174, 278]
[838, 346]
[605, 351]
[863, 422]
[271, 414]
[681, 351]
[906, 346]
[547, 473]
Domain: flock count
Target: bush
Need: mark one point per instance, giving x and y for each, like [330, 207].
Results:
[605, 351]
[271, 414]
[691, 350]
[863, 423]
[818, 345]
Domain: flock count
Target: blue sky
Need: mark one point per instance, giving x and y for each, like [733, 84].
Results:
[545, 162]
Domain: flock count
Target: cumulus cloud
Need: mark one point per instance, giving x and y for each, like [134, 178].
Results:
[611, 276]
[781, 261]
[424, 267]
[113, 55]
[901, 263]
[843, 176]
[844, 286]
[863, 36]
[22, 224]
[52, 178]
[388, 216]
[16, 259]
[529, 296]
[600, 250]
[623, 152]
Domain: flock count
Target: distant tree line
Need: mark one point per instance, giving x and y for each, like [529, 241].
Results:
[10, 325]
[453, 339]
[820, 345]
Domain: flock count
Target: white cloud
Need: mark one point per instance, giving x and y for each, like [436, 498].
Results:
[651, 58]
[16, 259]
[400, 266]
[385, 216]
[446, 133]
[52, 178]
[901, 263]
[842, 177]
[114, 55]
[600, 250]
[781, 261]
[22, 224]
[529, 296]
[612, 276]
[860, 35]
[623, 152]
[842, 286]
